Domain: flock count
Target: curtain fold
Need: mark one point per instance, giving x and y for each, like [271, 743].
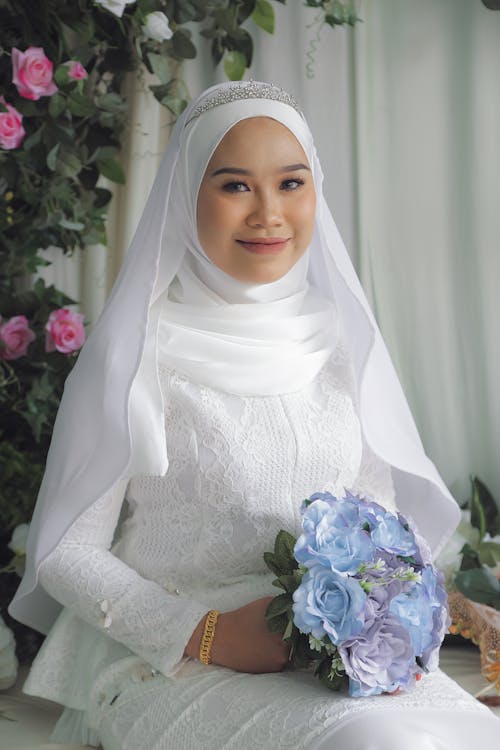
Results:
[427, 123]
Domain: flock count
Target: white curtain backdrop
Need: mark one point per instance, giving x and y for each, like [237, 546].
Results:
[428, 138]
[406, 115]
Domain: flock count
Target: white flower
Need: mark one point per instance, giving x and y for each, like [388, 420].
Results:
[115, 6]
[18, 546]
[450, 559]
[156, 26]
[8, 660]
[18, 542]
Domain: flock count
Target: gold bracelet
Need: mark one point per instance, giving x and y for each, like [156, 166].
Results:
[208, 636]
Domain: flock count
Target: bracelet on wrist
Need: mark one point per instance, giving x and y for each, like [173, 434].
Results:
[208, 636]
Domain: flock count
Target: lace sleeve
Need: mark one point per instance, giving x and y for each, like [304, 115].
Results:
[375, 479]
[85, 576]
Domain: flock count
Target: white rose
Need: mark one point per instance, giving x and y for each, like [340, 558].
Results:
[18, 546]
[156, 26]
[115, 6]
[8, 660]
[19, 537]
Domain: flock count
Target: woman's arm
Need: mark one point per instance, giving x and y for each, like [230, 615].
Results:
[83, 575]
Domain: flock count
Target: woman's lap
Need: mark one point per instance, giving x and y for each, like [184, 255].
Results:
[217, 709]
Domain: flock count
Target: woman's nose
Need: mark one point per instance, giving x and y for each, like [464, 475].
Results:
[265, 211]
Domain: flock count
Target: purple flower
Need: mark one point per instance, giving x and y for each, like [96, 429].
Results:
[327, 603]
[379, 659]
[391, 535]
[380, 597]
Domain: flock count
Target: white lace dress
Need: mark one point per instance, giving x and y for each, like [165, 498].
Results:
[194, 540]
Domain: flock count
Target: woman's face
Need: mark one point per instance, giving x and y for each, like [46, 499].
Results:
[256, 202]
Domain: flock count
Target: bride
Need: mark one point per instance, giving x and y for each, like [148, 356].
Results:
[235, 370]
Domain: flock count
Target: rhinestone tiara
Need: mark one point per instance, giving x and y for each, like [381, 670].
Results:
[245, 90]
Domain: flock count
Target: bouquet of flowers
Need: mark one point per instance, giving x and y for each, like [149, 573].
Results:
[362, 602]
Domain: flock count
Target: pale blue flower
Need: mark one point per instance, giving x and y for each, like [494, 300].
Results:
[391, 536]
[327, 603]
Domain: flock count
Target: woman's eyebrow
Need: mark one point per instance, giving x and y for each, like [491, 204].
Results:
[247, 172]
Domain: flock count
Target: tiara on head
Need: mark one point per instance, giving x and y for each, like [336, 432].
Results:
[245, 90]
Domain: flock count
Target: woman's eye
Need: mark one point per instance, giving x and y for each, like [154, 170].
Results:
[235, 187]
[291, 184]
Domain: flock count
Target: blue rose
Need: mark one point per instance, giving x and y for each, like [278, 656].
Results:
[433, 581]
[334, 536]
[423, 612]
[327, 603]
[391, 536]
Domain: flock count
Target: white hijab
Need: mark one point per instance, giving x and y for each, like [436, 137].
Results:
[112, 405]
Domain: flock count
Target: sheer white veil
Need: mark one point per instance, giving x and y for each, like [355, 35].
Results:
[110, 423]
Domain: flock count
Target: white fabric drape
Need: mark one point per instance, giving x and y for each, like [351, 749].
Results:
[428, 125]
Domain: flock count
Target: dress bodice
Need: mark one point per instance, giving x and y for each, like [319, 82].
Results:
[239, 470]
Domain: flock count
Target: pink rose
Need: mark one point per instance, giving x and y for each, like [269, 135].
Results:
[64, 331]
[76, 71]
[11, 126]
[15, 337]
[32, 73]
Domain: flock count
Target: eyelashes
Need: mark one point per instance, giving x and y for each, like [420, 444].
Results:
[242, 187]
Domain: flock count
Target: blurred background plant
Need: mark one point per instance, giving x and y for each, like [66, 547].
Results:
[471, 559]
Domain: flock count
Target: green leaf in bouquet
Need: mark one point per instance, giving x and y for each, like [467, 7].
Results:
[480, 585]
[290, 582]
[283, 551]
[489, 553]
[281, 604]
[271, 562]
[263, 16]
[277, 624]
[287, 633]
[328, 673]
[303, 653]
[485, 514]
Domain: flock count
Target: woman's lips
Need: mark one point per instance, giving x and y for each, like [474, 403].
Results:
[268, 246]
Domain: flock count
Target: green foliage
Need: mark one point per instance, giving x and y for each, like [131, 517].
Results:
[475, 578]
[336, 13]
[480, 585]
[263, 16]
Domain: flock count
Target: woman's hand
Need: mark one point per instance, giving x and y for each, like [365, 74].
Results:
[243, 641]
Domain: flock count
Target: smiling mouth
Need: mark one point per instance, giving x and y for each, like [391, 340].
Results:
[268, 246]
